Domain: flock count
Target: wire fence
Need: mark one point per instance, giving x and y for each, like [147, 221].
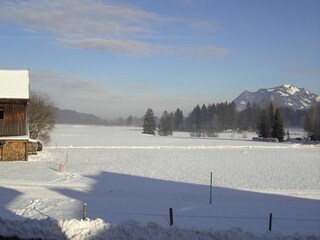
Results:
[269, 219]
[170, 216]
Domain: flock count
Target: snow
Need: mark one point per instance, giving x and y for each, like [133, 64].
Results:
[291, 89]
[98, 229]
[130, 180]
[283, 94]
[304, 103]
[318, 99]
[23, 137]
[14, 84]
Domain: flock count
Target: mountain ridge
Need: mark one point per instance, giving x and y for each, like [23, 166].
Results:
[286, 95]
[65, 116]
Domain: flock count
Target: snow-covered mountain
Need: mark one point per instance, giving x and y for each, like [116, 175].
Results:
[284, 96]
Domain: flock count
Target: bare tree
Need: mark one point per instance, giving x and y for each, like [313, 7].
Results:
[41, 111]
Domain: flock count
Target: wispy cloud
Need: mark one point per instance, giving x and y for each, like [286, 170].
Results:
[64, 86]
[91, 96]
[120, 46]
[206, 25]
[204, 51]
[140, 87]
[305, 73]
[102, 25]
[79, 18]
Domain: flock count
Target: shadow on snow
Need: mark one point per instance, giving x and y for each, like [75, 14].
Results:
[13, 226]
[118, 197]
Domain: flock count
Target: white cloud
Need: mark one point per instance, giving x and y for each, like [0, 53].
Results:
[103, 25]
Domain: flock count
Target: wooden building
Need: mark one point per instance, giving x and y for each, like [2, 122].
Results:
[14, 97]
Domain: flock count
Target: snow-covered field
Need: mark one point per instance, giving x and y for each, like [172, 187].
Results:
[130, 180]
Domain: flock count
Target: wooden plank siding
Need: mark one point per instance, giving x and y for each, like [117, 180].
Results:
[13, 118]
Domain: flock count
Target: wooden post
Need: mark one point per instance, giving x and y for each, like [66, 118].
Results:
[210, 188]
[84, 211]
[270, 222]
[171, 216]
[67, 157]
[61, 168]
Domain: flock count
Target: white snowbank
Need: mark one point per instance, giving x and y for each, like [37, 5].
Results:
[98, 229]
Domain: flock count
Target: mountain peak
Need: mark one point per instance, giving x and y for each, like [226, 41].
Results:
[286, 95]
[291, 89]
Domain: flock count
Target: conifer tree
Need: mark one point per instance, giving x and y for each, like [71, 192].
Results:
[178, 120]
[203, 119]
[271, 109]
[271, 123]
[277, 128]
[149, 122]
[165, 126]
[129, 120]
[265, 126]
[194, 121]
[312, 122]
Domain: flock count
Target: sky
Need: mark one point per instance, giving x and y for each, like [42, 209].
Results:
[114, 58]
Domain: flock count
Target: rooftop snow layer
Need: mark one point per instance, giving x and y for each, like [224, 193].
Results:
[14, 84]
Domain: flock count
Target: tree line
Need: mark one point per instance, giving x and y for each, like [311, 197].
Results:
[209, 120]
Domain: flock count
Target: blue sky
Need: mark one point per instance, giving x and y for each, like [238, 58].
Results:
[119, 57]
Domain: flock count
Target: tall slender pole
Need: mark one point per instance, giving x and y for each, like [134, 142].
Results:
[210, 188]
[171, 216]
[270, 222]
[84, 211]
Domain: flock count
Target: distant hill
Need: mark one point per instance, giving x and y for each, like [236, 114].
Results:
[284, 96]
[73, 117]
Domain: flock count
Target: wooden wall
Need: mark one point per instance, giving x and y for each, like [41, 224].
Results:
[14, 151]
[14, 118]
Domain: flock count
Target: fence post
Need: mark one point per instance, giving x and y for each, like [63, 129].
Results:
[171, 216]
[84, 211]
[270, 222]
[61, 168]
[210, 188]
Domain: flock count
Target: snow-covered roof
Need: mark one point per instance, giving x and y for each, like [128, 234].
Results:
[14, 84]
[24, 137]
